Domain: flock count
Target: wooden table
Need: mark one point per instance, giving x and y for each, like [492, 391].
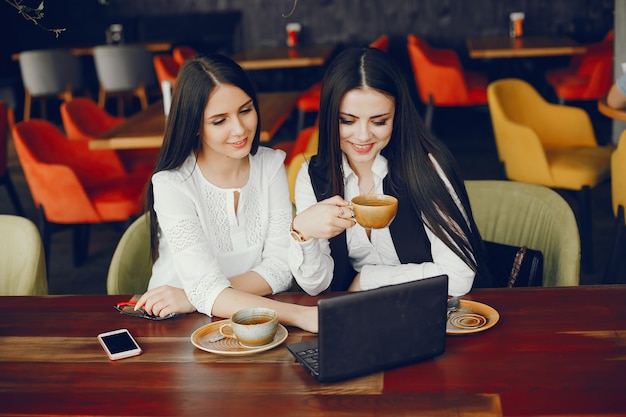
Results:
[554, 352]
[605, 109]
[283, 57]
[88, 50]
[528, 46]
[145, 129]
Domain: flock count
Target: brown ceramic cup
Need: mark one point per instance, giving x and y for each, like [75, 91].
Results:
[374, 211]
[252, 327]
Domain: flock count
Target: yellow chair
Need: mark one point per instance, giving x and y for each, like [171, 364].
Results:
[618, 197]
[22, 259]
[131, 265]
[293, 169]
[518, 214]
[548, 144]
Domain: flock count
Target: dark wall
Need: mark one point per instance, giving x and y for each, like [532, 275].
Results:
[443, 23]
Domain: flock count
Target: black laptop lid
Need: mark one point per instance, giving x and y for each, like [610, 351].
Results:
[369, 331]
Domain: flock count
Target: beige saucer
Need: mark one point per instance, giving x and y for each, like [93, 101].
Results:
[471, 317]
[200, 339]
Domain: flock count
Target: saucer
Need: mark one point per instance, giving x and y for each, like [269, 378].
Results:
[227, 346]
[471, 317]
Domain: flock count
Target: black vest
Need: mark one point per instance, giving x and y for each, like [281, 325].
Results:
[407, 231]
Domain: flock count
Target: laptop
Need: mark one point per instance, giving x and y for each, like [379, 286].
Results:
[374, 330]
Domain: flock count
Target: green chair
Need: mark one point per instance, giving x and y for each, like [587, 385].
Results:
[131, 265]
[22, 259]
[535, 216]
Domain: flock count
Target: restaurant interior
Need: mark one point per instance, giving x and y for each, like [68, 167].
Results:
[516, 89]
[237, 27]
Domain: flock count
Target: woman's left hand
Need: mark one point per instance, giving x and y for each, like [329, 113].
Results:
[165, 300]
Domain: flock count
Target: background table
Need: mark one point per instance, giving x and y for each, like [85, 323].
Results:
[283, 57]
[145, 129]
[530, 46]
[605, 109]
[554, 352]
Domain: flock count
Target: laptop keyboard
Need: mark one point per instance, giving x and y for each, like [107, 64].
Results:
[310, 357]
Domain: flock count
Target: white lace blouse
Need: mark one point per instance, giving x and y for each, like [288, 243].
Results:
[203, 241]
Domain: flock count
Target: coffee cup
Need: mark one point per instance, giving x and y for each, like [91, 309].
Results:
[252, 327]
[516, 22]
[374, 211]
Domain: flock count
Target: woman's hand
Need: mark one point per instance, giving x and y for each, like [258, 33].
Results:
[165, 300]
[326, 219]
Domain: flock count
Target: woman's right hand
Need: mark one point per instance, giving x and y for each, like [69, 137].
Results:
[165, 300]
[325, 219]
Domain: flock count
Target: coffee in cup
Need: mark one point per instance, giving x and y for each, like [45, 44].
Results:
[252, 327]
[374, 211]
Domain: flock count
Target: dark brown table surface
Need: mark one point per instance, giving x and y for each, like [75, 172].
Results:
[554, 352]
[527, 46]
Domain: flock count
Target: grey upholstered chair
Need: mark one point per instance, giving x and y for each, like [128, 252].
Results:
[49, 73]
[131, 265]
[124, 71]
[22, 259]
[520, 214]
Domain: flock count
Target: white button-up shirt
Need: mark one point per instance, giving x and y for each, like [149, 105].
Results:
[375, 258]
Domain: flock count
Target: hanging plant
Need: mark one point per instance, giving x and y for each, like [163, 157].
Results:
[36, 14]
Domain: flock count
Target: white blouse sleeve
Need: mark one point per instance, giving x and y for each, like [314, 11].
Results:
[310, 262]
[193, 260]
[274, 266]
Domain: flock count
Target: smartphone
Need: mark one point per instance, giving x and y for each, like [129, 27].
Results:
[119, 344]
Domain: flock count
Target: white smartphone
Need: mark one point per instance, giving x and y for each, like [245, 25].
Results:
[119, 344]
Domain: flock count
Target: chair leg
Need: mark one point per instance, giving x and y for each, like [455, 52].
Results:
[101, 97]
[27, 104]
[80, 244]
[430, 109]
[619, 247]
[300, 123]
[585, 228]
[6, 180]
[44, 230]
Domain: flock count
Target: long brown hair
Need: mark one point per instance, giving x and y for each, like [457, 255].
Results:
[411, 171]
[196, 80]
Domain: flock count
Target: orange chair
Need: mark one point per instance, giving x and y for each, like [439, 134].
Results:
[183, 53]
[604, 46]
[591, 81]
[5, 178]
[83, 120]
[302, 144]
[72, 185]
[166, 68]
[441, 80]
[309, 100]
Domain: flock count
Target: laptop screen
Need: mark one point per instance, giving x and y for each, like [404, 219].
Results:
[369, 331]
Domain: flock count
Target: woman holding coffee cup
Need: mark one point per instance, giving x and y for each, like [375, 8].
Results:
[372, 141]
[219, 203]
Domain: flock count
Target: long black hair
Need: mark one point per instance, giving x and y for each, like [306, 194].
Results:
[411, 171]
[195, 82]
